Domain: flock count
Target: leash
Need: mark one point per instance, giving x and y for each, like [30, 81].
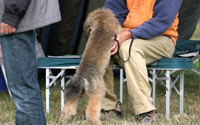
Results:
[119, 48]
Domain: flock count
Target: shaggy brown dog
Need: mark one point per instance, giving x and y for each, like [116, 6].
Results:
[90, 73]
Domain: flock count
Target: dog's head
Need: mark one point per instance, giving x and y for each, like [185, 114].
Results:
[101, 16]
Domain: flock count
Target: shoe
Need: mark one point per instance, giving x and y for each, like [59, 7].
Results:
[148, 117]
[114, 113]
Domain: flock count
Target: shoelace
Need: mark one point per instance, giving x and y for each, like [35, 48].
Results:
[145, 114]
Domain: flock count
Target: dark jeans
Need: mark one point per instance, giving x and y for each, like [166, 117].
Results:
[21, 71]
[189, 15]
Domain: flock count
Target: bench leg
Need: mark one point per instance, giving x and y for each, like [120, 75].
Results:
[181, 91]
[121, 85]
[62, 91]
[154, 87]
[47, 90]
[168, 93]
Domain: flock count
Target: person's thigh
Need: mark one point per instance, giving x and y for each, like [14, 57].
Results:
[155, 48]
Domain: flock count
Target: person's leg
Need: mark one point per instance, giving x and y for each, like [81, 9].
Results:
[111, 106]
[110, 97]
[63, 35]
[21, 70]
[189, 15]
[143, 52]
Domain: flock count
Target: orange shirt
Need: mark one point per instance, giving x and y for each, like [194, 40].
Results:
[141, 11]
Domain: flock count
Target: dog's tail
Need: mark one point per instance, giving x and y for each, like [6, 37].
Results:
[75, 88]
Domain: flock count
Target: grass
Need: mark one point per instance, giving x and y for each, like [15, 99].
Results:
[191, 103]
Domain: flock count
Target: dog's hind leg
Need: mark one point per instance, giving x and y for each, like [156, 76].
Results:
[70, 107]
[95, 101]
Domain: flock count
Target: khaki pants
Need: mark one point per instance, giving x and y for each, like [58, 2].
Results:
[143, 52]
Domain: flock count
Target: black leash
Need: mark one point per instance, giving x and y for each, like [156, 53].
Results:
[119, 48]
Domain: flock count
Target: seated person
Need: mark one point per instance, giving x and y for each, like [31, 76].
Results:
[153, 26]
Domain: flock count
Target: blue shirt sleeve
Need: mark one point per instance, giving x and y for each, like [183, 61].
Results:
[119, 8]
[14, 11]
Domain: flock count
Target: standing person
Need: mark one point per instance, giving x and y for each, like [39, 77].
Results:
[62, 32]
[18, 19]
[189, 16]
[152, 24]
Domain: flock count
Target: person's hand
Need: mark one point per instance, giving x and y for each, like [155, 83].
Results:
[121, 37]
[7, 29]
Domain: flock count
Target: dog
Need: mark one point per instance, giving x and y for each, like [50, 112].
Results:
[95, 59]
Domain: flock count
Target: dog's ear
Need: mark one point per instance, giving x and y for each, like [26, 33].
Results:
[89, 21]
[86, 28]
